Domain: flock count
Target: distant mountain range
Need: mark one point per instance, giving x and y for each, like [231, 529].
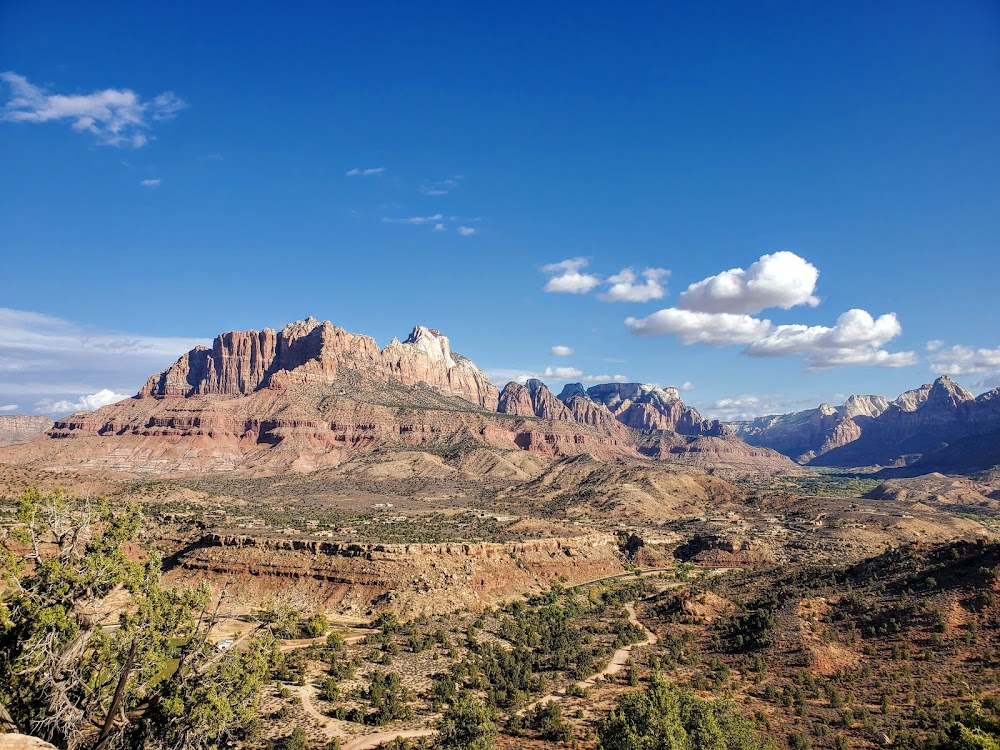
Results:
[937, 427]
[314, 395]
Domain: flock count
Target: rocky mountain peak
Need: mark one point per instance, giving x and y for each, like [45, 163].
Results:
[317, 352]
[946, 392]
[863, 406]
[573, 390]
[432, 343]
[913, 399]
[299, 327]
[534, 384]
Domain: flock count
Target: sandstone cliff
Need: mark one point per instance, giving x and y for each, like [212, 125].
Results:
[20, 428]
[911, 428]
[869, 430]
[351, 578]
[314, 395]
[645, 407]
[309, 351]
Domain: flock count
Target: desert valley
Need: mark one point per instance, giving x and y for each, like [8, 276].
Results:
[395, 532]
[520, 376]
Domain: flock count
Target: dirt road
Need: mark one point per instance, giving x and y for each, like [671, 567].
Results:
[618, 661]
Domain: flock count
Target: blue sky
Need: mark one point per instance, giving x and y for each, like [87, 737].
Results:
[173, 171]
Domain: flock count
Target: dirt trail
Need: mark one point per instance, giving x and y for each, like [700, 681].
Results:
[618, 661]
[337, 728]
[370, 741]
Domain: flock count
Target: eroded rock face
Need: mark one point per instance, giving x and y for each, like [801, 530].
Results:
[310, 351]
[314, 396]
[919, 425]
[415, 578]
[869, 430]
[645, 407]
[20, 428]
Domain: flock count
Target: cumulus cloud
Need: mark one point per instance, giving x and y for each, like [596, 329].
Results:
[48, 358]
[150, 183]
[466, 231]
[90, 402]
[690, 327]
[567, 277]
[625, 288]
[562, 372]
[687, 385]
[748, 406]
[934, 344]
[561, 351]
[855, 339]
[115, 117]
[361, 172]
[781, 279]
[8, 407]
[964, 360]
[604, 379]
[416, 220]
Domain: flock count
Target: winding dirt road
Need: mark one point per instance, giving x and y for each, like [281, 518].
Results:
[618, 661]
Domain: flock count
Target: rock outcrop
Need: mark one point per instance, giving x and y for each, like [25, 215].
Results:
[869, 430]
[20, 428]
[313, 396]
[535, 399]
[416, 578]
[313, 352]
[916, 426]
[645, 407]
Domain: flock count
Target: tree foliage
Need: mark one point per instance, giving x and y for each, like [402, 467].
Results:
[467, 725]
[95, 651]
[664, 717]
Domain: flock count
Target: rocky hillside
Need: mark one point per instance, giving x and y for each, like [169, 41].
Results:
[308, 351]
[645, 407]
[20, 428]
[937, 426]
[314, 395]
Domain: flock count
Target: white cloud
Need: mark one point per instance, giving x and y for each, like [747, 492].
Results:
[416, 220]
[501, 376]
[562, 372]
[440, 187]
[964, 360]
[716, 329]
[150, 183]
[439, 227]
[748, 406]
[369, 172]
[566, 277]
[89, 402]
[934, 344]
[44, 357]
[625, 289]
[115, 117]
[604, 379]
[781, 279]
[561, 351]
[687, 385]
[854, 340]
[466, 231]
[990, 381]
[8, 407]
